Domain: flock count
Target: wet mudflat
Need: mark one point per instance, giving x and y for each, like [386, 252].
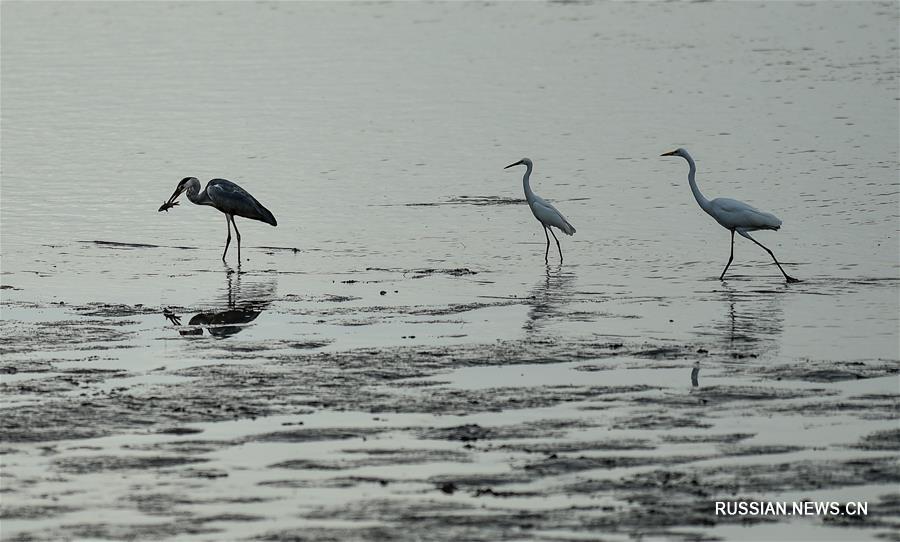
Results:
[395, 360]
[122, 424]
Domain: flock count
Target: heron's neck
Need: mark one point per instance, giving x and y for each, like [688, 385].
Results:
[701, 199]
[197, 197]
[529, 195]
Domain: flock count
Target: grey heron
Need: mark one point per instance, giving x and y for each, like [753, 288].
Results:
[227, 197]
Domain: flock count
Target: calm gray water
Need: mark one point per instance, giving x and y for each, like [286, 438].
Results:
[377, 134]
[339, 116]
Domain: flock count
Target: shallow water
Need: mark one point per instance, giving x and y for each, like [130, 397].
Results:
[402, 310]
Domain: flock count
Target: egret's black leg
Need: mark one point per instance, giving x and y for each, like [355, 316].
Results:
[557, 244]
[238, 234]
[547, 252]
[786, 276]
[228, 240]
[730, 258]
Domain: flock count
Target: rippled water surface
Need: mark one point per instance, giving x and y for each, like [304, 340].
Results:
[395, 354]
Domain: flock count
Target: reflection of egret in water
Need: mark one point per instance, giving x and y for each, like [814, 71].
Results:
[241, 302]
[695, 375]
[753, 322]
[548, 297]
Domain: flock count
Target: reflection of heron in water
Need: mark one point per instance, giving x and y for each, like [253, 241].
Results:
[753, 323]
[243, 303]
[695, 375]
[550, 294]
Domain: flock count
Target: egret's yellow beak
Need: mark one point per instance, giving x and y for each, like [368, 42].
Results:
[670, 153]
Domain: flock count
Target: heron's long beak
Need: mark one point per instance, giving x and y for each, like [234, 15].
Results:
[670, 153]
[176, 193]
[516, 164]
[170, 203]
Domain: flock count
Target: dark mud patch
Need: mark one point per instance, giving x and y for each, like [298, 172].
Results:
[92, 464]
[315, 435]
[114, 310]
[43, 386]
[206, 474]
[747, 449]
[470, 200]
[721, 395]
[376, 458]
[556, 465]
[81, 335]
[182, 447]
[760, 479]
[325, 298]
[477, 520]
[179, 431]
[11, 367]
[473, 482]
[249, 350]
[663, 499]
[309, 345]
[34, 511]
[51, 420]
[867, 407]
[425, 272]
[729, 438]
[293, 250]
[654, 421]
[563, 447]
[828, 371]
[66, 417]
[376, 314]
[337, 482]
[172, 530]
[131, 246]
[462, 433]
[460, 402]
[881, 440]
[475, 432]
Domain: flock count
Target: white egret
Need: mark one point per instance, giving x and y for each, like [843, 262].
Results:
[227, 197]
[546, 214]
[733, 215]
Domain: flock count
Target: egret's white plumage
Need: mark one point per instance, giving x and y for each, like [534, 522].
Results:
[733, 215]
[547, 214]
[227, 197]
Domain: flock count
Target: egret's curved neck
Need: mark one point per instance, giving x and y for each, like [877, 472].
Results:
[529, 195]
[701, 199]
[196, 196]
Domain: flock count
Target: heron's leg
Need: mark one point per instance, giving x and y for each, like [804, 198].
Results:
[547, 252]
[786, 276]
[557, 244]
[238, 234]
[228, 240]
[730, 258]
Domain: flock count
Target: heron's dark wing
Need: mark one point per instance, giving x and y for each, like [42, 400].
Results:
[234, 200]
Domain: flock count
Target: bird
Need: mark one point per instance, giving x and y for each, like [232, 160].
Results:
[733, 215]
[546, 214]
[227, 197]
